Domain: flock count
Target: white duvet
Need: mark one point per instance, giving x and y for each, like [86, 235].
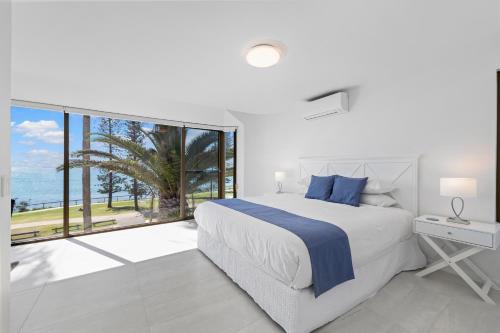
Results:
[372, 231]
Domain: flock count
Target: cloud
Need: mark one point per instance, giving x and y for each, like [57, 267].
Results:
[26, 142]
[44, 130]
[45, 156]
[12, 123]
[39, 158]
[42, 152]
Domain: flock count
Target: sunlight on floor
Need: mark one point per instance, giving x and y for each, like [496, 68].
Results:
[62, 259]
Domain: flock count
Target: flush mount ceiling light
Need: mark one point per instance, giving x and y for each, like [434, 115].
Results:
[263, 55]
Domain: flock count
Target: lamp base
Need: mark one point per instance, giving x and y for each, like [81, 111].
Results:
[457, 220]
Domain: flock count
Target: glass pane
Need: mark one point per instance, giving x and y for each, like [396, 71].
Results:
[202, 167]
[37, 146]
[123, 173]
[229, 177]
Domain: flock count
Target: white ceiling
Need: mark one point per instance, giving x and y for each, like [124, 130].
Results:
[191, 52]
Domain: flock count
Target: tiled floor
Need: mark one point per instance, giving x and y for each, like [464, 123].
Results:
[154, 280]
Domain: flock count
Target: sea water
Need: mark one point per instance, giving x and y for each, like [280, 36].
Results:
[45, 185]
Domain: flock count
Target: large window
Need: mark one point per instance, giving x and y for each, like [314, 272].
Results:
[37, 146]
[230, 167]
[76, 174]
[202, 167]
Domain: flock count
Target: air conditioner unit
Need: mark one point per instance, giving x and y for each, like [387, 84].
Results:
[327, 106]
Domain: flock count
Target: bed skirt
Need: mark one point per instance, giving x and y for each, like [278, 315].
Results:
[297, 310]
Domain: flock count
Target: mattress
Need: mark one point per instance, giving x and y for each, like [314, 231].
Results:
[372, 232]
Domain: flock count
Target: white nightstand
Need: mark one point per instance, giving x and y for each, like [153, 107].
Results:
[477, 236]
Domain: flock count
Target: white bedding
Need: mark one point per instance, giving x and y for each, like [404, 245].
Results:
[371, 230]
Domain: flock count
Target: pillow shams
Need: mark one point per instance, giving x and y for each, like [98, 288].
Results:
[347, 190]
[381, 200]
[375, 186]
[320, 187]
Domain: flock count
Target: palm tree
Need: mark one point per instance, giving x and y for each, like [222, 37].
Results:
[157, 166]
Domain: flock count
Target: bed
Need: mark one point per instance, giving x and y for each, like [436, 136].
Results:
[273, 265]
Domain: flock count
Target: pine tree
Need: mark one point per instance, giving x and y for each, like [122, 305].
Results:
[133, 186]
[87, 200]
[110, 182]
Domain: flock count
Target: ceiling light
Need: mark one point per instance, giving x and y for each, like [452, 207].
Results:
[263, 56]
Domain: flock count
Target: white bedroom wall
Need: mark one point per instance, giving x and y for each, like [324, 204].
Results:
[433, 95]
[5, 162]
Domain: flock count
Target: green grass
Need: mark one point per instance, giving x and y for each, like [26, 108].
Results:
[49, 230]
[98, 209]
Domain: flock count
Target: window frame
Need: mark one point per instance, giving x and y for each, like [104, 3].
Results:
[66, 184]
[497, 199]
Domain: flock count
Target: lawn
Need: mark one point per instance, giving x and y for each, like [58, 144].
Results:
[98, 209]
[54, 229]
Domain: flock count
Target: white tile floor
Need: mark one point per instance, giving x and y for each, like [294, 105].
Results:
[155, 280]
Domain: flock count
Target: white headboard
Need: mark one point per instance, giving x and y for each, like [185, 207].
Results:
[401, 171]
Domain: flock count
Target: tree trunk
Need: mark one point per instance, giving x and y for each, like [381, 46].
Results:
[152, 206]
[135, 186]
[110, 190]
[135, 190]
[87, 212]
[110, 181]
[168, 207]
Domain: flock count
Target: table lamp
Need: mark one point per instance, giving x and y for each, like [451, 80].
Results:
[458, 188]
[279, 177]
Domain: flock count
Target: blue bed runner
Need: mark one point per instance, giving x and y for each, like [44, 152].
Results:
[328, 245]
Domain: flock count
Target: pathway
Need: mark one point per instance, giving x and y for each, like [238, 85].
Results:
[125, 219]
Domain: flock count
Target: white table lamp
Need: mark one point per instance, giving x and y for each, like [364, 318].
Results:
[458, 188]
[279, 177]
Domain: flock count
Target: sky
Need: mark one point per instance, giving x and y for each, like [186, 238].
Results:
[37, 136]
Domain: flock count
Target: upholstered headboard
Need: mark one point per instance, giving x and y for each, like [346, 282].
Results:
[401, 171]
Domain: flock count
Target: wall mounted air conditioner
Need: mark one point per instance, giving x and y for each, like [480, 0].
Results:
[326, 106]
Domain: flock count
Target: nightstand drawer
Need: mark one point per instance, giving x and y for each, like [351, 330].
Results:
[462, 235]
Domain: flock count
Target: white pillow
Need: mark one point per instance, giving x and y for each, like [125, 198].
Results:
[381, 200]
[305, 181]
[375, 186]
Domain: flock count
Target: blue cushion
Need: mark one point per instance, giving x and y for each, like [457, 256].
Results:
[320, 187]
[347, 190]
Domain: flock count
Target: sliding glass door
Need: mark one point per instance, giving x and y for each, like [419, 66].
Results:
[37, 146]
[122, 173]
[230, 165]
[202, 167]
[116, 173]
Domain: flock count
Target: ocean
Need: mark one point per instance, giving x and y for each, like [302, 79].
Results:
[44, 185]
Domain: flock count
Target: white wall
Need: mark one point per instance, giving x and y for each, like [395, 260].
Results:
[5, 162]
[432, 92]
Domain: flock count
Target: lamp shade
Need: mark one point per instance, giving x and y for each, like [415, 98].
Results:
[279, 176]
[458, 187]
